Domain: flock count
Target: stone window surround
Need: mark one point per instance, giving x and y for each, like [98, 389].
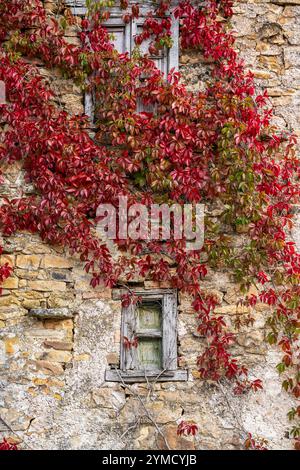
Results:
[170, 370]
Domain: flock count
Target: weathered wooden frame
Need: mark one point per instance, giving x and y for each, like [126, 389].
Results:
[129, 371]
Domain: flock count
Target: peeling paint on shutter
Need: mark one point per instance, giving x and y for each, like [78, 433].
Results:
[170, 332]
[129, 360]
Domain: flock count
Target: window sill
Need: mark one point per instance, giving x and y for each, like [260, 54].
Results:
[117, 375]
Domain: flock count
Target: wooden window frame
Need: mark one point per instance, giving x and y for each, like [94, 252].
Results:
[129, 371]
[130, 30]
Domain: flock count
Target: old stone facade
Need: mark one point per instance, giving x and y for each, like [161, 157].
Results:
[53, 392]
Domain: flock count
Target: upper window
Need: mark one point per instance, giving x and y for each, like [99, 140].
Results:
[123, 36]
[149, 339]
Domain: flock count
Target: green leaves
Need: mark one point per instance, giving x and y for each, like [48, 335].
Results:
[288, 384]
[272, 338]
[281, 367]
[140, 179]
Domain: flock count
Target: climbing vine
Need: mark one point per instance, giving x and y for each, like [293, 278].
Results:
[5, 445]
[217, 145]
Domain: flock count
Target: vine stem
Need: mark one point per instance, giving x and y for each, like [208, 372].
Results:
[145, 409]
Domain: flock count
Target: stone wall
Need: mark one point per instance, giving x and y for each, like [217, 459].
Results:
[53, 394]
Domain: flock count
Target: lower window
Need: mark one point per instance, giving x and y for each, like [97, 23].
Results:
[149, 339]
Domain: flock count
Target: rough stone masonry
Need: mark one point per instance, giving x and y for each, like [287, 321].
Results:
[58, 335]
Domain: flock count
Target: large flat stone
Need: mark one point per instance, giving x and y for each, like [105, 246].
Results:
[51, 313]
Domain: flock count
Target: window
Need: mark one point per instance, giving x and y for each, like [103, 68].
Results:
[124, 35]
[151, 325]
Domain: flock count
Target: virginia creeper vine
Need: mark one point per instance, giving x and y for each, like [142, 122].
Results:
[214, 145]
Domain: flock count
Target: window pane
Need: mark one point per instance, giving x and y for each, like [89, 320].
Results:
[117, 38]
[149, 316]
[149, 354]
[160, 59]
